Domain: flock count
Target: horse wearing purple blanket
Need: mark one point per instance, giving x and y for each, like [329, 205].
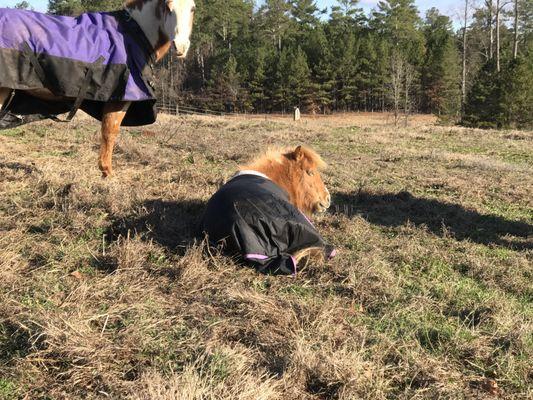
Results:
[101, 63]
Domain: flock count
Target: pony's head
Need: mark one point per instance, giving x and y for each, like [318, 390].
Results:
[178, 24]
[297, 170]
[304, 166]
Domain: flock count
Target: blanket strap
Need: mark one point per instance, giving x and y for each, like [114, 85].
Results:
[83, 87]
[36, 65]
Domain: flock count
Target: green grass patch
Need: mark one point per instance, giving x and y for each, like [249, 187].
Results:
[518, 158]
[58, 153]
[8, 390]
[515, 212]
[461, 148]
[496, 253]
[217, 367]
[14, 133]
[300, 291]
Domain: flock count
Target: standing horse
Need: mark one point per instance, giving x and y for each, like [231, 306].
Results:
[99, 62]
[260, 213]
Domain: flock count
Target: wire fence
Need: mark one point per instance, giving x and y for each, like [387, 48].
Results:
[176, 109]
[184, 110]
[180, 110]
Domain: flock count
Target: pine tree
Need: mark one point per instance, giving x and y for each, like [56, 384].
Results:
[321, 66]
[298, 79]
[275, 21]
[449, 107]
[304, 13]
[517, 93]
[398, 20]
[65, 7]
[372, 72]
[343, 30]
[23, 5]
[257, 85]
[229, 82]
[102, 5]
[279, 92]
[484, 107]
[440, 72]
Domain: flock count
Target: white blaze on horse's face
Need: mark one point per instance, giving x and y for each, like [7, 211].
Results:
[178, 24]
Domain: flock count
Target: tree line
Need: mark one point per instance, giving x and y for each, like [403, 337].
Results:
[275, 55]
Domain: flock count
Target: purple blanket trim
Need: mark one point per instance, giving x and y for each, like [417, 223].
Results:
[295, 266]
[256, 257]
[85, 38]
[307, 218]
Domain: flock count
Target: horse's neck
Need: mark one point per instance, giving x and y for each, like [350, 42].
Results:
[147, 14]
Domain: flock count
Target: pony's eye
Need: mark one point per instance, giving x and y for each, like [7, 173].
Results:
[310, 173]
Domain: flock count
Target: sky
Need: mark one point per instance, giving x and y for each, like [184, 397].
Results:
[448, 7]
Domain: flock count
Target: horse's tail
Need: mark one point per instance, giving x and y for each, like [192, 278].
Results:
[310, 255]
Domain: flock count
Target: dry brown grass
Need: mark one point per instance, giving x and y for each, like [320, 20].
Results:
[107, 292]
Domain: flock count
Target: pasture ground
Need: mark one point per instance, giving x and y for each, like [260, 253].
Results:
[105, 293]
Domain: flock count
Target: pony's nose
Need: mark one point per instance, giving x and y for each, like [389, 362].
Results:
[325, 204]
[328, 199]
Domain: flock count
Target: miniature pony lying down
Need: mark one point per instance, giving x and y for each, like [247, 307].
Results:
[259, 214]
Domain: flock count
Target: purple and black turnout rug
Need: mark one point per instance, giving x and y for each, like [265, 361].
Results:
[96, 58]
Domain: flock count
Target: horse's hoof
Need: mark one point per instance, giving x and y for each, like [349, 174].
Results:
[106, 172]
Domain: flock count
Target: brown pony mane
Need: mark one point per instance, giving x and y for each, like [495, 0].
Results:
[279, 155]
[281, 166]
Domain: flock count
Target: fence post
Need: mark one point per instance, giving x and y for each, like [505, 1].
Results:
[297, 114]
[177, 109]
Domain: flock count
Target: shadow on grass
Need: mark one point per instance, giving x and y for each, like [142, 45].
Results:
[171, 224]
[396, 209]
[16, 341]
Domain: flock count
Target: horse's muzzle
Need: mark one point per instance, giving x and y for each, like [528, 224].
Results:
[182, 48]
[324, 205]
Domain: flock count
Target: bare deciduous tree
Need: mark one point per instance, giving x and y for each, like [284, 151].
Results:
[515, 36]
[409, 80]
[396, 84]
[490, 11]
[498, 13]
[402, 79]
[465, 26]
[499, 8]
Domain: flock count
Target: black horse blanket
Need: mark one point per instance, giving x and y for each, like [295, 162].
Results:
[251, 217]
[94, 58]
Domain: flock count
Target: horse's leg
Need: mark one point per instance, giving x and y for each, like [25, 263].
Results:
[4, 95]
[112, 117]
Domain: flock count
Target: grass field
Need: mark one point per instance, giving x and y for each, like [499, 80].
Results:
[106, 292]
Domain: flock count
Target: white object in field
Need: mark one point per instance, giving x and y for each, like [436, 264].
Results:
[297, 114]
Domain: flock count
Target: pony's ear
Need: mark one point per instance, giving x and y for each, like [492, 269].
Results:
[299, 153]
[170, 4]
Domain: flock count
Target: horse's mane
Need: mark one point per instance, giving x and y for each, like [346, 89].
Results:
[281, 155]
